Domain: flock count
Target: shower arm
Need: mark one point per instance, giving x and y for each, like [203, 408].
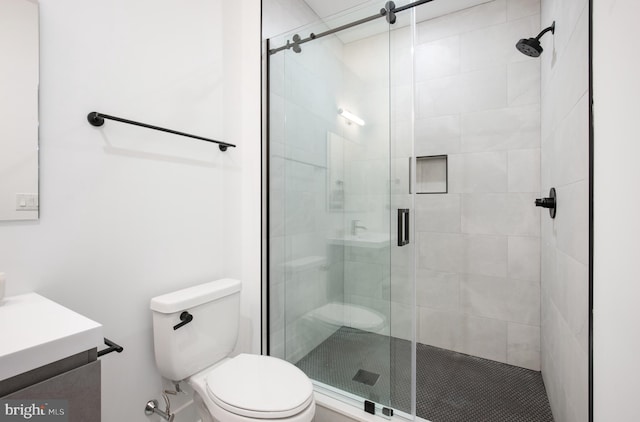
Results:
[552, 28]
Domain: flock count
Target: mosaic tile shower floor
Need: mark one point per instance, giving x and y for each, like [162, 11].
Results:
[451, 387]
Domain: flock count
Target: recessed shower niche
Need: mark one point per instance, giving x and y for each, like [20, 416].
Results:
[431, 174]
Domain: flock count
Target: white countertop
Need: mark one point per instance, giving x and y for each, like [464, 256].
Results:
[36, 331]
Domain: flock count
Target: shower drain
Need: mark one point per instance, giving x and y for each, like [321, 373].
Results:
[366, 377]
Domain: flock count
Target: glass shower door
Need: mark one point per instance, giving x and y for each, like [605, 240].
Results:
[402, 167]
[331, 214]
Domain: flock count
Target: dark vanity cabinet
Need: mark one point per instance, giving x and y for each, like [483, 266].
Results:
[72, 383]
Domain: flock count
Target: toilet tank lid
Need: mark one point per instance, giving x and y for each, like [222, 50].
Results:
[190, 297]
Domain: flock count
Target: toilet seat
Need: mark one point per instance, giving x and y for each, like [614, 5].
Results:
[260, 387]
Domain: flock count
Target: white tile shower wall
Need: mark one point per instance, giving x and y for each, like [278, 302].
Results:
[478, 247]
[129, 213]
[565, 241]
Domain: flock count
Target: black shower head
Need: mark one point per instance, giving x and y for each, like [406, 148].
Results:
[531, 46]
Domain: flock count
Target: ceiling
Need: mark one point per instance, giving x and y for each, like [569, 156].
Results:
[327, 8]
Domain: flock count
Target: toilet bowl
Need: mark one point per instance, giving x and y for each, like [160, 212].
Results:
[251, 387]
[195, 331]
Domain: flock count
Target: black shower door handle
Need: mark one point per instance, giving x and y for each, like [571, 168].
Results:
[403, 226]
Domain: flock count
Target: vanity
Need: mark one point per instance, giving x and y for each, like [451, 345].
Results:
[49, 352]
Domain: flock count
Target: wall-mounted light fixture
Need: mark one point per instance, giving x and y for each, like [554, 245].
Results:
[350, 117]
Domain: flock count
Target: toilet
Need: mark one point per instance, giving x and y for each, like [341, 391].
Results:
[195, 331]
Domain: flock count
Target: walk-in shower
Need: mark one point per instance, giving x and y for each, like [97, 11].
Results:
[409, 271]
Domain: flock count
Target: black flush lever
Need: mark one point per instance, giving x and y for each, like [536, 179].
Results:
[549, 202]
[186, 318]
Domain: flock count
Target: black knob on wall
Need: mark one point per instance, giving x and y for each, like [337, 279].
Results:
[549, 202]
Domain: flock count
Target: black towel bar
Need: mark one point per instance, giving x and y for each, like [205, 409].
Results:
[97, 119]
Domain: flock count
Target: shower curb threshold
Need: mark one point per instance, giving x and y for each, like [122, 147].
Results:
[353, 413]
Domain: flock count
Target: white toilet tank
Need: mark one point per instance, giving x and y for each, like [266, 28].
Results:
[209, 337]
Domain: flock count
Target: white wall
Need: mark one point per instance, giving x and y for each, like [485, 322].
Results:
[128, 213]
[616, 210]
[247, 128]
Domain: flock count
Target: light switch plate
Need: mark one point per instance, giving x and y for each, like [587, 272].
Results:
[26, 201]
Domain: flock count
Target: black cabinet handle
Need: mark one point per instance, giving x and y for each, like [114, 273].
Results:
[186, 318]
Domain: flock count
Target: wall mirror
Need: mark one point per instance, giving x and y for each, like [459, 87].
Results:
[19, 79]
